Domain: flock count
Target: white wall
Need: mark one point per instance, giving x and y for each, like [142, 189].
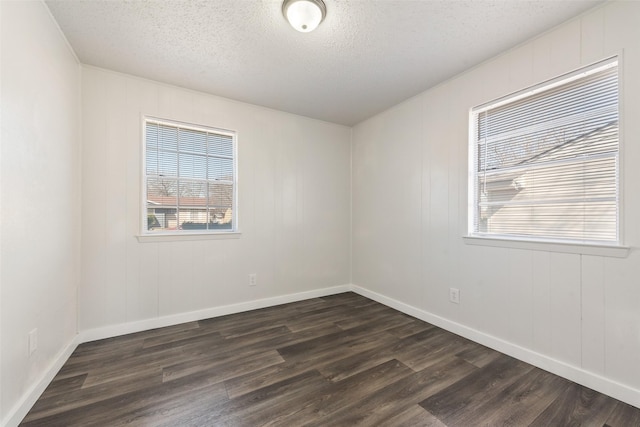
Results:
[40, 197]
[294, 207]
[410, 213]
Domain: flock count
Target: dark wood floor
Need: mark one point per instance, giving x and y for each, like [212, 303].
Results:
[340, 360]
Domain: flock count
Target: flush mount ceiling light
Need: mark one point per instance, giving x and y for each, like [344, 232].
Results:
[304, 15]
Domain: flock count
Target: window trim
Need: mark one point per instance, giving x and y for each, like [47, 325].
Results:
[614, 251]
[610, 249]
[145, 235]
[187, 236]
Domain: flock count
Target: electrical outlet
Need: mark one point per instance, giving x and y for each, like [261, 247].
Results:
[33, 341]
[454, 295]
[253, 279]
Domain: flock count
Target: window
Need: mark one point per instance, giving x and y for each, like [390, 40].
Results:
[544, 162]
[189, 178]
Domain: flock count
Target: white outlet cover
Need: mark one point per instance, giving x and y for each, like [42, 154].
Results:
[454, 295]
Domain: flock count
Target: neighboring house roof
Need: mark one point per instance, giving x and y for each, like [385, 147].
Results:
[602, 139]
[598, 139]
[186, 202]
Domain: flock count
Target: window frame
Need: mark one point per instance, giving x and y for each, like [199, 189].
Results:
[552, 244]
[146, 235]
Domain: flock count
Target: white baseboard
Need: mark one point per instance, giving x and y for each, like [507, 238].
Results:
[573, 373]
[176, 319]
[20, 409]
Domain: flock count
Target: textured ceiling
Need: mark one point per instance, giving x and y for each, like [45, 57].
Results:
[366, 56]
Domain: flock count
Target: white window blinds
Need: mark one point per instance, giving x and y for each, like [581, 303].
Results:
[189, 178]
[545, 161]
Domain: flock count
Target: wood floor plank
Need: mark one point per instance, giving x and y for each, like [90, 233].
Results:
[415, 351]
[265, 376]
[577, 405]
[519, 403]
[397, 397]
[624, 415]
[124, 374]
[244, 384]
[345, 367]
[120, 342]
[232, 411]
[339, 360]
[454, 403]
[350, 299]
[205, 353]
[226, 367]
[432, 346]
[169, 410]
[348, 341]
[478, 355]
[410, 328]
[312, 319]
[180, 338]
[413, 416]
[138, 355]
[150, 359]
[122, 346]
[268, 375]
[63, 385]
[108, 411]
[334, 395]
[386, 317]
[68, 402]
[344, 349]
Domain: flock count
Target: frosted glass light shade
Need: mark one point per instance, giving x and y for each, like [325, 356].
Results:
[304, 15]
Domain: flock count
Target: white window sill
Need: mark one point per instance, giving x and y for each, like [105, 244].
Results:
[614, 251]
[177, 237]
